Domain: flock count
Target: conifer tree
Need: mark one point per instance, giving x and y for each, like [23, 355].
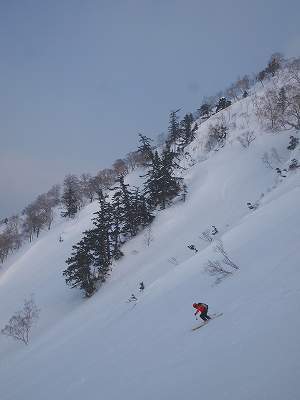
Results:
[142, 214]
[100, 238]
[145, 149]
[168, 183]
[80, 272]
[151, 185]
[71, 197]
[205, 110]
[222, 104]
[188, 129]
[116, 231]
[161, 185]
[134, 210]
[174, 131]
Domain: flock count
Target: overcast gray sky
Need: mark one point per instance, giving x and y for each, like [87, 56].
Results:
[79, 79]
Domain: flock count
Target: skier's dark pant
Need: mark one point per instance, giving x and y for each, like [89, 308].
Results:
[204, 315]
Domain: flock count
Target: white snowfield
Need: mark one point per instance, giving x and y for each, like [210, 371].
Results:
[106, 348]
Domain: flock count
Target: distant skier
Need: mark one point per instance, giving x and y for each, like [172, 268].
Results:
[202, 309]
[142, 286]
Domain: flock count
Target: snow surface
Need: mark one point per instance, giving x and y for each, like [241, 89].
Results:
[107, 348]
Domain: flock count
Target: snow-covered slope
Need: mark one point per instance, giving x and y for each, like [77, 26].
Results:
[107, 348]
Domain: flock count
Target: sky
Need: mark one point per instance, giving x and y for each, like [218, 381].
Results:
[80, 79]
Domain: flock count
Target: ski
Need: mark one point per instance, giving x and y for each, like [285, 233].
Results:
[213, 316]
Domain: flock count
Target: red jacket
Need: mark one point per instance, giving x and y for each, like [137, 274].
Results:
[200, 308]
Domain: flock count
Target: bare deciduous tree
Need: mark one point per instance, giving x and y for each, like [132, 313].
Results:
[279, 106]
[120, 167]
[294, 71]
[243, 83]
[246, 138]
[54, 195]
[219, 248]
[206, 237]
[20, 324]
[72, 197]
[275, 63]
[217, 134]
[34, 220]
[133, 160]
[267, 109]
[86, 186]
[233, 91]
[290, 115]
[107, 177]
[46, 209]
[215, 268]
[6, 245]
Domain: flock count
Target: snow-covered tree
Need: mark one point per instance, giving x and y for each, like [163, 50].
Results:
[222, 104]
[72, 196]
[205, 110]
[217, 135]
[20, 324]
[188, 130]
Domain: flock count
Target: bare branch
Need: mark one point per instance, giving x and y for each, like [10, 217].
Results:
[205, 236]
[215, 268]
[219, 248]
[246, 138]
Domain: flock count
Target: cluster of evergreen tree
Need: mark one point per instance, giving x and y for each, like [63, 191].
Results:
[180, 133]
[161, 184]
[128, 212]
[114, 223]
[222, 104]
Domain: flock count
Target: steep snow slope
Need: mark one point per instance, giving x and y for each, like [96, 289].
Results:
[107, 348]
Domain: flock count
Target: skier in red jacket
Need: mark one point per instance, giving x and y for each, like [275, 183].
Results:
[202, 309]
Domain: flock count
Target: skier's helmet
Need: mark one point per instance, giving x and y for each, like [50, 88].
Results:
[195, 305]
